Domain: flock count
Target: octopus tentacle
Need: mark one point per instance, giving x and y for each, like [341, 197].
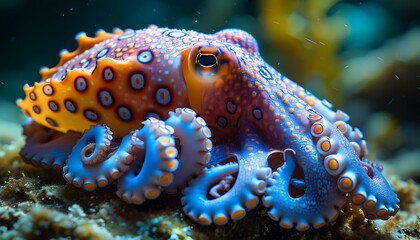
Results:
[46, 147]
[152, 168]
[318, 204]
[361, 179]
[355, 137]
[371, 196]
[252, 172]
[193, 135]
[94, 163]
[196, 196]
[338, 118]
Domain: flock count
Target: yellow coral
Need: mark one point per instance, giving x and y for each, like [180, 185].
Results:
[378, 67]
[308, 38]
[11, 140]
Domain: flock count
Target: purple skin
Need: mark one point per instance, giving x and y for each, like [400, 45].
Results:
[272, 140]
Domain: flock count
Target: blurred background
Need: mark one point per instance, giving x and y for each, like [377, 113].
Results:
[363, 56]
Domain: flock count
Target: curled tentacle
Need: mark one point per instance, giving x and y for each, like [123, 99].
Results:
[194, 142]
[251, 172]
[46, 147]
[94, 163]
[360, 178]
[152, 168]
[318, 204]
[223, 186]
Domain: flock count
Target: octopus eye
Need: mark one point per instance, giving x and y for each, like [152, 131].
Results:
[203, 65]
[206, 60]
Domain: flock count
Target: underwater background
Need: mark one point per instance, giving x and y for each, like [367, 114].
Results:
[363, 56]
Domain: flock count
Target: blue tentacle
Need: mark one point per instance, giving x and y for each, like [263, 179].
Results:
[152, 168]
[319, 202]
[94, 162]
[233, 201]
[46, 147]
[195, 144]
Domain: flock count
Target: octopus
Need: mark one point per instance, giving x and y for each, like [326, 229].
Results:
[172, 110]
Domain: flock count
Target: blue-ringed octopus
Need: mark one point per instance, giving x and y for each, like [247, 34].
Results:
[139, 108]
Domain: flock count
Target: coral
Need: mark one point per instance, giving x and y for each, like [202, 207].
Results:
[162, 227]
[366, 72]
[408, 192]
[391, 73]
[308, 40]
[31, 209]
[10, 141]
[407, 164]
[407, 221]
[42, 222]
[46, 207]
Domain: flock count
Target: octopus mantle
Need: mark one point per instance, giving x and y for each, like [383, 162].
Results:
[272, 141]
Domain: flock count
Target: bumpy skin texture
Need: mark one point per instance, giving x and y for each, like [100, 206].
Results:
[273, 141]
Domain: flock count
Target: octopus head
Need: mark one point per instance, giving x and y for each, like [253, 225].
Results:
[214, 70]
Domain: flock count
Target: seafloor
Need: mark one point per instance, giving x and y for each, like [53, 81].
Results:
[35, 204]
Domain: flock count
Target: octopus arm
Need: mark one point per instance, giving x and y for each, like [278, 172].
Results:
[342, 151]
[365, 184]
[152, 168]
[338, 118]
[46, 147]
[227, 191]
[194, 145]
[359, 178]
[94, 160]
[317, 205]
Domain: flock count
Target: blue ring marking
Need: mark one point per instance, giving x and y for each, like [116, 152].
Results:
[105, 98]
[231, 107]
[70, 106]
[176, 33]
[102, 53]
[127, 35]
[264, 72]
[51, 122]
[32, 96]
[53, 106]
[145, 56]
[36, 109]
[48, 90]
[163, 96]
[137, 81]
[257, 113]
[91, 115]
[124, 113]
[80, 84]
[222, 121]
[108, 74]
